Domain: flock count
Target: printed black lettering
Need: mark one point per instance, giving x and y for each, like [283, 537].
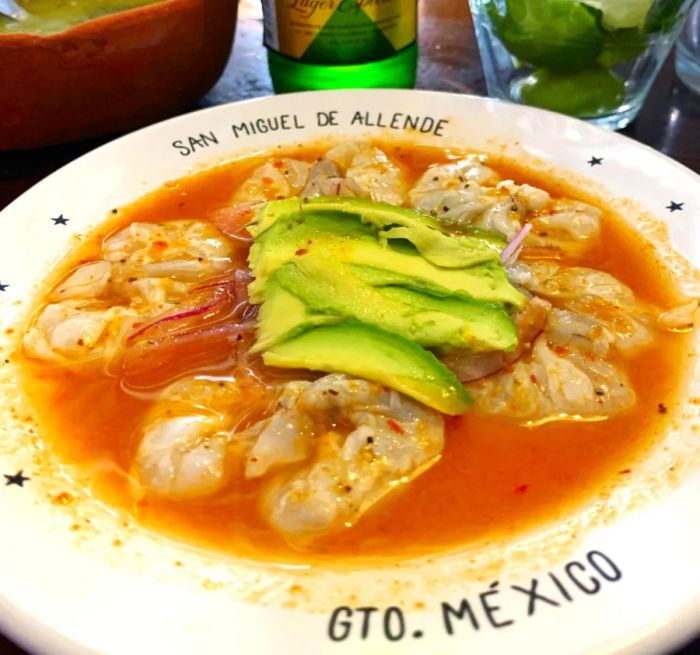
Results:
[490, 610]
[240, 129]
[194, 142]
[379, 120]
[427, 125]
[612, 574]
[533, 596]
[366, 612]
[181, 148]
[465, 609]
[586, 590]
[394, 125]
[411, 122]
[327, 118]
[394, 624]
[357, 117]
[209, 139]
[560, 586]
[439, 126]
[284, 121]
[339, 627]
[261, 126]
[297, 124]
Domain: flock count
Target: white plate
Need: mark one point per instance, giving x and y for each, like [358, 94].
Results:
[630, 583]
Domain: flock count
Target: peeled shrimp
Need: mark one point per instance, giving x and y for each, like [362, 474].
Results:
[148, 269]
[183, 456]
[391, 439]
[590, 292]
[274, 180]
[70, 331]
[566, 374]
[370, 170]
[325, 180]
[570, 227]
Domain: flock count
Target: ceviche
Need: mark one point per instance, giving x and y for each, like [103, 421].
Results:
[364, 349]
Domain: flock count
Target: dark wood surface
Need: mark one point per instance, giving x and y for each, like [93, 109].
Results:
[449, 61]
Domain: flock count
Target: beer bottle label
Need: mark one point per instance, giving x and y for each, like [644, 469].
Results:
[339, 31]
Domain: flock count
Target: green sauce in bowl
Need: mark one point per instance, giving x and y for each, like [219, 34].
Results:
[45, 17]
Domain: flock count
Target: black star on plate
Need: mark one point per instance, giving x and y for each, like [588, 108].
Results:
[60, 220]
[675, 206]
[3, 287]
[18, 478]
[595, 161]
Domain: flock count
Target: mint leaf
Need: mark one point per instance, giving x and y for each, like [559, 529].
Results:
[561, 35]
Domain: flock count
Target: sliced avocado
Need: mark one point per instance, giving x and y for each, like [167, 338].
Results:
[268, 214]
[374, 354]
[330, 287]
[354, 243]
[443, 250]
[294, 237]
[390, 222]
[485, 326]
[283, 315]
[445, 287]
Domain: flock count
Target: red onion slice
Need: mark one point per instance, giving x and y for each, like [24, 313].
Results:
[511, 249]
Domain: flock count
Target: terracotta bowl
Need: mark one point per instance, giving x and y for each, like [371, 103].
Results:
[112, 73]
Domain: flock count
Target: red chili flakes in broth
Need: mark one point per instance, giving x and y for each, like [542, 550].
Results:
[521, 489]
[301, 251]
[394, 426]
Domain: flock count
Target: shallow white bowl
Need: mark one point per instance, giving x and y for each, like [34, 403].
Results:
[621, 575]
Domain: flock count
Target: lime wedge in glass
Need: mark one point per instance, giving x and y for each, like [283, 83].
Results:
[618, 14]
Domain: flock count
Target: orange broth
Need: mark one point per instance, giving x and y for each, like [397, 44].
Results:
[495, 478]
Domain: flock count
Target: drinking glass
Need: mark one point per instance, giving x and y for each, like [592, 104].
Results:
[594, 59]
[688, 51]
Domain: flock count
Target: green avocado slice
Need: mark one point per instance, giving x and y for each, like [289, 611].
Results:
[374, 354]
[354, 243]
[283, 315]
[330, 287]
[485, 326]
[390, 222]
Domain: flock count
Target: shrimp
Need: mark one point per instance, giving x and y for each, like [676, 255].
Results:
[370, 170]
[183, 456]
[569, 227]
[564, 375]
[368, 440]
[591, 292]
[88, 281]
[190, 440]
[148, 268]
[273, 180]
[325, 180]
[188, 251]
[456, 193]
[73, 331]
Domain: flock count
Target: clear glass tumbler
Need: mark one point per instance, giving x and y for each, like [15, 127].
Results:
[688, 51]
[594, 59]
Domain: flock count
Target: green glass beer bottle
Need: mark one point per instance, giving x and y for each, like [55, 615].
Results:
[341, 44]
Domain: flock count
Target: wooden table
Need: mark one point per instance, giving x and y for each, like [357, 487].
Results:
[669, 122]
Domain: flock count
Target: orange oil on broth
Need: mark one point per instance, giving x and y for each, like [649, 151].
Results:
[495, 477]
